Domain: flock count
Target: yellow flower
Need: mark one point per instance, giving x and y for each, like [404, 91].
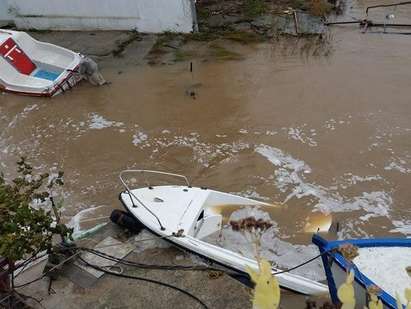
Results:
[407, 297]
[375, 302]
[267, 290]
[346, 292]
[398, 300]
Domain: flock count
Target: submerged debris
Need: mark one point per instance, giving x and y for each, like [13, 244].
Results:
[250, 224]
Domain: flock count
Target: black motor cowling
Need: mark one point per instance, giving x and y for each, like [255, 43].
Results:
[126, 220]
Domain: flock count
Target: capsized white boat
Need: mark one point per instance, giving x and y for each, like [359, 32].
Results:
[34, 68]
[188, 213]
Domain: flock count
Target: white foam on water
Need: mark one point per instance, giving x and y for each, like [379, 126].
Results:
[139, 138]
[332, 124]
[300, 135]
[28, 109]
[289, 177]
[22, 114]
[98, 122]
[203, 152]
[243, 131]
[349, 179]
[251, 193]
[398, 164]
[403, 227]
[386, 267]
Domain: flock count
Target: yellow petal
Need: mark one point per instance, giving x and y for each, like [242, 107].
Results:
[350, 277]
[398, 300]
[375, 304]
[253, 274]
[267, 290]
[408, 294]
[346, 292]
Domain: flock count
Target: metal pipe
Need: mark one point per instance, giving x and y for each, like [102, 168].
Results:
[344, 22]
[367, 23]
[297, 31]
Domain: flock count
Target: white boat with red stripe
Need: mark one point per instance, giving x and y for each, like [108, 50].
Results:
[34, 68]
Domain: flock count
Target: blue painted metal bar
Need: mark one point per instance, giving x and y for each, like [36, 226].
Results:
[333, 256]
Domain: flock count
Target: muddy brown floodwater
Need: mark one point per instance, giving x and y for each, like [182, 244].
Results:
[319, 133]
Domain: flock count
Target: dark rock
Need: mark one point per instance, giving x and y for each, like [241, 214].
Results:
[306, 24]
[218, 21]
[265, 21]
[243, 26]
[309, 24]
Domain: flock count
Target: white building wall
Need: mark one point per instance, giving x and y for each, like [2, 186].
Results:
[5, 16]
[141, 15]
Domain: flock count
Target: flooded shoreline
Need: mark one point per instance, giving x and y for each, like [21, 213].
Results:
[325, 133]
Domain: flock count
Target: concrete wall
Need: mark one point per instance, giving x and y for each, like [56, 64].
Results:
[5, 16]
[141, 15]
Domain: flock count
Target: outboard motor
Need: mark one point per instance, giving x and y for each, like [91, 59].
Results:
[125, 220]
[89, 69]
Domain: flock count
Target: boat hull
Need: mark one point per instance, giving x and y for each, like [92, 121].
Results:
[32, 68]
[64, 85]
[212, 253]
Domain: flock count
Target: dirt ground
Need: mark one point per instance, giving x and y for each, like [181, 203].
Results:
[75, 288]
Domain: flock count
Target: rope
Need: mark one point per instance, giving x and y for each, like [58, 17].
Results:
[182, 267]
[150, 266]
[302, 264]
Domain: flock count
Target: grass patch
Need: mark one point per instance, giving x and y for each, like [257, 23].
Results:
[203, 13]
[162, 41]
[202, 36]
[222, 53]
[120, 48]
[243, 37]
[254, 8]
[181, 55]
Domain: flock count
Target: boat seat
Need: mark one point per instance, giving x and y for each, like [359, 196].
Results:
[17, 57]
[188, 220]
[208, 223]
[52, 76]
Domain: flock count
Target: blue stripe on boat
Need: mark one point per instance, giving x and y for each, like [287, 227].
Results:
[46, 75]
[331, 255]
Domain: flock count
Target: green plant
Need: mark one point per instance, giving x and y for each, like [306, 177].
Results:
[254, 8]
[27, 229]
[242, 37]
[221, 53]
